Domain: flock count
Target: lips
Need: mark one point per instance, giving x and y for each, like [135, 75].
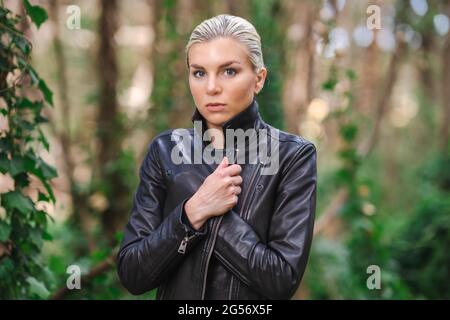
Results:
[215, 106]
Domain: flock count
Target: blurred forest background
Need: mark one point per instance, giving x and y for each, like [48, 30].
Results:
[85, 85]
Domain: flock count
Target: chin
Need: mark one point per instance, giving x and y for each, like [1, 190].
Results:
[217, 119]
[218, 123]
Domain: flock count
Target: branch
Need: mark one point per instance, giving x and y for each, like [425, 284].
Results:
[331, 211]
[366, 148]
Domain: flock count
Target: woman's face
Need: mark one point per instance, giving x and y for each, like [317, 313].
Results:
[220, 71]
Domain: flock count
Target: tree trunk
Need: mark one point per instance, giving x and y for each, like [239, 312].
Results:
[369, 74]
[62, 133]
[298, 88]
[110, 129]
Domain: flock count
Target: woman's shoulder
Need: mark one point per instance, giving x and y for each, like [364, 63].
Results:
[168, 137]
[288, 139]
[169, 134]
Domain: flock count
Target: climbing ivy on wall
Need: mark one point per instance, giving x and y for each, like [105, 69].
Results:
[23, 214]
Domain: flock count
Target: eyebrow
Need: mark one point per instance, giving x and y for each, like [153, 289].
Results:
[222, 65]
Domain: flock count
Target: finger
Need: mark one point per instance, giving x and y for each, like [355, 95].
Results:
[237, 190]
[233, 170]
[236, 180]
[223, 164]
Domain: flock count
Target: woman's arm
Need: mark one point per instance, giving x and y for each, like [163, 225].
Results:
[149, 250]
[276, 268]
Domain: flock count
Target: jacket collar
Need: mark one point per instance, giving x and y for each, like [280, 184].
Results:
[249, 118]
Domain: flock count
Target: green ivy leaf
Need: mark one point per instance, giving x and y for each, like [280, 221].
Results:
[42, 170]
[48, 171]
[42, 197]
[39, 167]
[348, 132]
[6, 267]
[100, 255]
[48, 94]
[25, 103]
[41, 217]
[23, 64]
[49, 190]
[348, 154]
[40, 119]
[4, 64]
[43, 140]
[351, 75]
[26, 125]
[46, 236]
[38, 288]
[16, 200]
[329, 84]
[22, 44]
[344, 176]
[36, 13]
[16, 166]
[118, 236]
[57, 265]
[5, 231]
[4, 163]
[35, 237]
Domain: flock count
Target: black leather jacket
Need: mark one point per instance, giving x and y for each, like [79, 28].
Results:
[257, 250]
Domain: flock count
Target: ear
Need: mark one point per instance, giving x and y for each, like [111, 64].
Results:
[260, 79]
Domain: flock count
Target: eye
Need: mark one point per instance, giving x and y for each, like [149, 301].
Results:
[230, 71]
[196, 73]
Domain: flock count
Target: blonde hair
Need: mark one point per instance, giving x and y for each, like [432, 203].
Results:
[225, 25]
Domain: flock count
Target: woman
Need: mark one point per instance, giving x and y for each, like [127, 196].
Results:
[202, 230]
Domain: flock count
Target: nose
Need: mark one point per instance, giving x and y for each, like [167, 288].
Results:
[213, 86]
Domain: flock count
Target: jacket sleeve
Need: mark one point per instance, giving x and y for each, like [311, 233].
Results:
[274, 269]
[149, 250]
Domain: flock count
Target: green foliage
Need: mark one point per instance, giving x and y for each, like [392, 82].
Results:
[36, 13]
[339, 268]
[348, 128]
[24, 226]
[422, 249]
[411, 248]
[263, 14]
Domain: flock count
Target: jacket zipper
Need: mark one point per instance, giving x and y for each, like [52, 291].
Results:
[184, 243]
[245, 202]
[215, 229]
[231, 287]
[182, 250]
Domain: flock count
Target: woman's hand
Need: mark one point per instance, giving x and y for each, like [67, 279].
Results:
[218, 194]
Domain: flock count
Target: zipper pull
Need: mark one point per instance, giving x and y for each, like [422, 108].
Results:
[183, 244]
